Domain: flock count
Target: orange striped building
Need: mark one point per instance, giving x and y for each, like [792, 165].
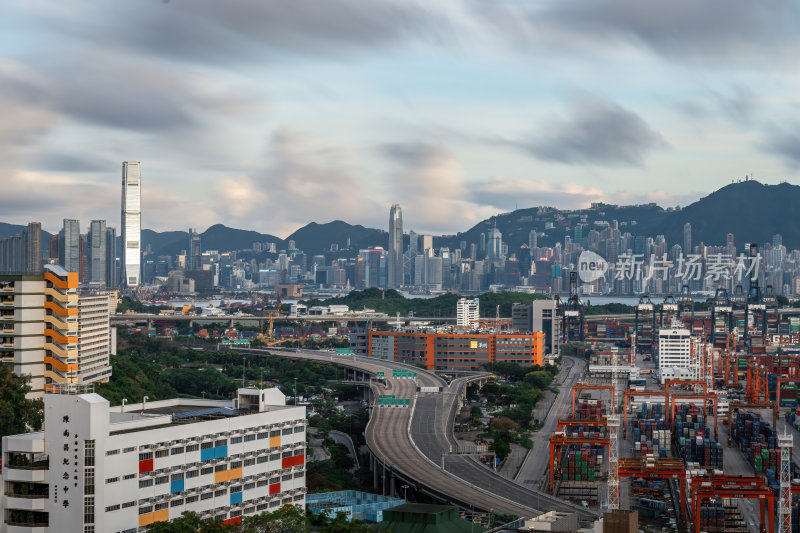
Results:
[456, 351]
[39, 329]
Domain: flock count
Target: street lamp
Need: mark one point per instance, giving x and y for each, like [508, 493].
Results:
[295, 391]
[405, 488]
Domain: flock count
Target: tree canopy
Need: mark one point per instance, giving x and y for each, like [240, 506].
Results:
[17, 413]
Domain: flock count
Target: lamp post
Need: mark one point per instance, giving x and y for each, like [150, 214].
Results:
[295, 391]
[405, 488]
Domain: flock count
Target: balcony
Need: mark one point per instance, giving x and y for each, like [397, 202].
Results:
[26, 461]
[27, 519]
[29, 503]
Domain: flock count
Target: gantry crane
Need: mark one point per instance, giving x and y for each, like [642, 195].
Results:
[558, 440]
[651, 469]
[574, 320]
[692, 396]
[733, 487]
[721, 306]
[669, 309]
[646, 310]
[630, 393]
[578, 387]
[589, 422]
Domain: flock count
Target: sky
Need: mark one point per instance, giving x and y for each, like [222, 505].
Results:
[269, 114]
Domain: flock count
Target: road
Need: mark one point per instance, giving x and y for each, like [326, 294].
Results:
[415, 449]
[345, 440]
[535, 467]
[735, 464]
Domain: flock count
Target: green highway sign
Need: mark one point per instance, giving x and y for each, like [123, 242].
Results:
[380, 374]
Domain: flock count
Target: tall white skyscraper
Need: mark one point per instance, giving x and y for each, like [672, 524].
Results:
[131, 223]
[495, 251]
[395, 267]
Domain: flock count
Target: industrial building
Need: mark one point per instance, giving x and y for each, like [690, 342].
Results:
[540, 315]
[456, 351]
[675, 359]
[120, 469]
[41, 321]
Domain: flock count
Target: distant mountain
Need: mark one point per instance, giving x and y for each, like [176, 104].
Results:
[316, 238]
[7, 230]
[752, 211]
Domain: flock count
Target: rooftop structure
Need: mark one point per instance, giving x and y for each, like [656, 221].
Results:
[122, 468]
[356, 505]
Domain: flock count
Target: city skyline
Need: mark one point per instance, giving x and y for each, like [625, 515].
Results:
[455, 110]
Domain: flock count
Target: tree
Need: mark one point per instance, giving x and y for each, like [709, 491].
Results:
[188, 522]
[17, 413]
[287, 519]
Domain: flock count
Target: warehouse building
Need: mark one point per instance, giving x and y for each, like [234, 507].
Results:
[456, 351]
[120, 469]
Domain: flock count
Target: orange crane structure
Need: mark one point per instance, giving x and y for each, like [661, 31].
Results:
[559, 440]
[650, 469]
[590, 422]
[691, 396]
[637, 394]
[579, 387]
[733, 487]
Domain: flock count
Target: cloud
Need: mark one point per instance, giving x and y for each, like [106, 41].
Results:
[712, 30]
[302, 179]
[597, 133]
[784, 142]
[429, 184]
[248, 31]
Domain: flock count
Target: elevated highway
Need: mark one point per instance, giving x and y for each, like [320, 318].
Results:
[409, 442]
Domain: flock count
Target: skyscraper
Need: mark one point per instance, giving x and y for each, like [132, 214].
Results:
[131, 223]
[33, 247]
[195, 251]
[495, 250]
[98, 255]
[112, 274]
[69, 245]
[687, 238]
[395, 270]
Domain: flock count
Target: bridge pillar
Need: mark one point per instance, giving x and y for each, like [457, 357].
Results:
[149, 323]
[374, 472]
[392, 491]
[230, 325]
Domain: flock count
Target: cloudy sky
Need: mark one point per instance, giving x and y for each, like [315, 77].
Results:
[268, 114]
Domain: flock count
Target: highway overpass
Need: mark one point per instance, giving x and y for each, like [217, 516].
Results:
[408, 443]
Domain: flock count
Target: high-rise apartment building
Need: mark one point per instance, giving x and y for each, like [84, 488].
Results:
[195, 251]
[395, 260]
[124, 468]
[94, 337]
[467, 312]
[32, 237]
[69, 246]
[687, 238]
[131, 223]
[22, 252]
[40, 326]
[98, 254]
